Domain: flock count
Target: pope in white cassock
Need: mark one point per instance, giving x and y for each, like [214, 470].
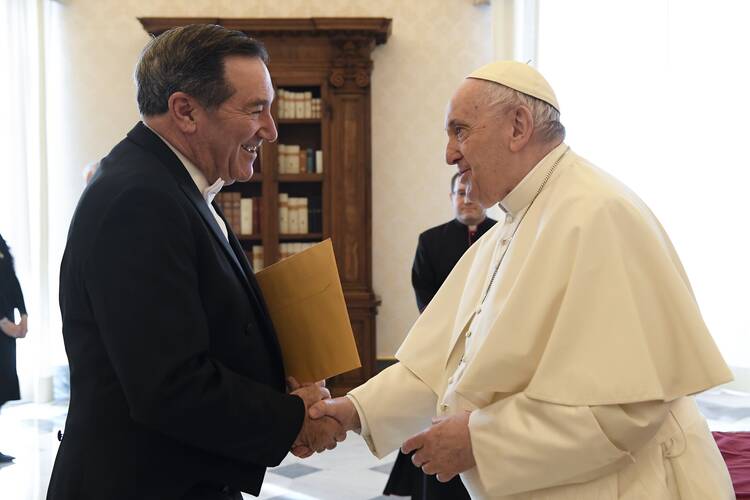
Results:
[558, 359]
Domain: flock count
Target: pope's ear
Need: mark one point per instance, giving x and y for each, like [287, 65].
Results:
[182, 110]
[522, 128]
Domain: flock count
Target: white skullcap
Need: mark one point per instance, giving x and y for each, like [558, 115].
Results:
[520, 77]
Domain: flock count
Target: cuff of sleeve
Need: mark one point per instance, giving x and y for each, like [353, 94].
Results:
[289, 420]
[364, 429]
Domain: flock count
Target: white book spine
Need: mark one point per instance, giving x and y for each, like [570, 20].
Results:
[257, 258]
[293, 216]
[299, 111]
[303, 216]
[282, 103]
[283, 213]
[246, 216]
[308, 105]
[319, 161]
[293, 163]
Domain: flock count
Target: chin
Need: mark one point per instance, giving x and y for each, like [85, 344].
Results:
[243, 174]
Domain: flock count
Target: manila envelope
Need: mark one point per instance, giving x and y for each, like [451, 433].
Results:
[304, 296]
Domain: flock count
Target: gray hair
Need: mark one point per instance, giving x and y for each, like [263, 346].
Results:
[190, 59]
[546, 118]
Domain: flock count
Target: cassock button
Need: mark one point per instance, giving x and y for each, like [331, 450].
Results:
[450, 380]
[468, 334]
[59, 435]
[444, 407]
[504, 241]
[508, 218]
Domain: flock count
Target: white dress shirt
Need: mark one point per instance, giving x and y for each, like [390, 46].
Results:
[208, 192]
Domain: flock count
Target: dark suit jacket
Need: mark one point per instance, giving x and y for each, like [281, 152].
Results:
[438, 250]
[11, 298]
[177, 382]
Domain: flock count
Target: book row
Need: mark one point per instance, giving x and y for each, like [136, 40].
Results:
[297, 215]
[298, 105]
[243, 214]
[289, 249]
[255, 254]
[300, 215]
[255, 257]
[296, 160]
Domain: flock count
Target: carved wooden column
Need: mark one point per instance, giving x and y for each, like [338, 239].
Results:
[350, 97]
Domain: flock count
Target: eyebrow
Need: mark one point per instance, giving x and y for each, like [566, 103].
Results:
[452, 123]
[257, 102]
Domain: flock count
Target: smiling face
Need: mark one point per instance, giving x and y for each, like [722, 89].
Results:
[226, 138]
[479, 138]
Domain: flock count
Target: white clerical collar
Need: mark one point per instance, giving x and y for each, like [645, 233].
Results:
[522, 195]
[208, 192]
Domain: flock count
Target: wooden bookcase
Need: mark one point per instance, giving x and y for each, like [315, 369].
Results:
[331, 59]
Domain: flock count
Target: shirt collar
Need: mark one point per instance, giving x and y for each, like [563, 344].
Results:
[523, 194]
[208, 192]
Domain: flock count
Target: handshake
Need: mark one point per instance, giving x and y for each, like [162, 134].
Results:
[326, 420]
[443, 449]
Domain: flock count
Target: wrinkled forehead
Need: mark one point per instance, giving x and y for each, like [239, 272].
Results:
[467, 102]
[249, 74]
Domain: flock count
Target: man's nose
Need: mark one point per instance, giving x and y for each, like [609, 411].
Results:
[268, 131]
[452, 154]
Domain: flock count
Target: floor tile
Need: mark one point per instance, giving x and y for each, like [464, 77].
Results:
[294, 470]
[385, 468]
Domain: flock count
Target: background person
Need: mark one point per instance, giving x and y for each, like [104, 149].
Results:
[11, 299]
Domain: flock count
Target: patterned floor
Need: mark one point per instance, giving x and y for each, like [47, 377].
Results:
[350, 472]
[29, 432]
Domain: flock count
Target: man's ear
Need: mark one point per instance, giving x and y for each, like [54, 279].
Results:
[523, 128]
[182, 110]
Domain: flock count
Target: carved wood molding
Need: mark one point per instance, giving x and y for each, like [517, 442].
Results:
[353, 38]
[377, 29]
[352, 62]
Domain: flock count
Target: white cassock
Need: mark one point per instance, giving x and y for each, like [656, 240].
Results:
[578, 364]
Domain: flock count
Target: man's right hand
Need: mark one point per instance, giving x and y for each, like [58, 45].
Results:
[315, 435]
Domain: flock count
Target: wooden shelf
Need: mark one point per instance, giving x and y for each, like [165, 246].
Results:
[300, 177]
[301, 237]
[297, 121]
[249, 237]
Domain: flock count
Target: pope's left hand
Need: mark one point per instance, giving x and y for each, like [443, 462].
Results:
[444, 449]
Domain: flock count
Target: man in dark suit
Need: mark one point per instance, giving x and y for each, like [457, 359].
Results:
[177, 382]
[438, 251]
[440, 247]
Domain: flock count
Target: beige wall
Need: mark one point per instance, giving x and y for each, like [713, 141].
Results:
[91, 99]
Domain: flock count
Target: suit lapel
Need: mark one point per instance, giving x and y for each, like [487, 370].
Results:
[257, 293]
[232, 249]
[144, 137]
